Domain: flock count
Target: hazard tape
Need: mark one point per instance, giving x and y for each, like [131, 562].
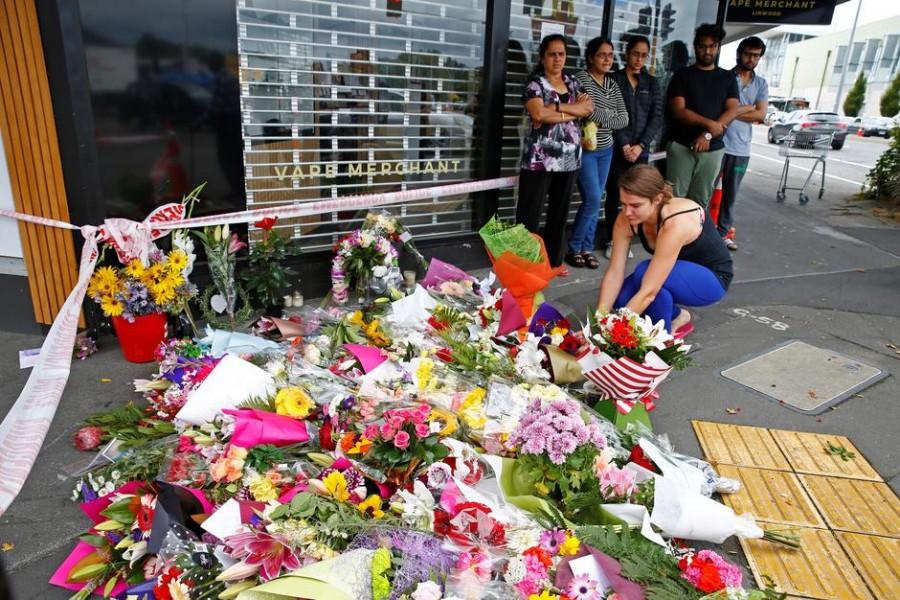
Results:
[25, 426]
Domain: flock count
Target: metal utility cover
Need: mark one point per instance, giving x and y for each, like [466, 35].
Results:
[804, 378]
[818, 569]
[739, 445]
[771, 496]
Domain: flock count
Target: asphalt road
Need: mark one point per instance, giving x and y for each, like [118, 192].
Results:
[845, 169]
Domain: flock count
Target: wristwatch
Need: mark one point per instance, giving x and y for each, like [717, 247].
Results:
[707, 136]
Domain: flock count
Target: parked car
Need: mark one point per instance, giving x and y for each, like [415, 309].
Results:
[866, 126]
[773, 116]
[809, 123]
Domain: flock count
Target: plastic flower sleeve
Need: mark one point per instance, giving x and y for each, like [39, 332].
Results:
[680, 512]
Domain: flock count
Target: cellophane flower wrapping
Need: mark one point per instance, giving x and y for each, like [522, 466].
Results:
[521, 264]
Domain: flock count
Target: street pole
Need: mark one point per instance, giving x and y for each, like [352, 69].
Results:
[793, 76]
[822, 82]
[837, 99]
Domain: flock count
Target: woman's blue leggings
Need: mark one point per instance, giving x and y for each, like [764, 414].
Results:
[688, 283]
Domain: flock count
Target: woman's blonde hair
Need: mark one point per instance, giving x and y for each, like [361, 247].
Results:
[647, 182]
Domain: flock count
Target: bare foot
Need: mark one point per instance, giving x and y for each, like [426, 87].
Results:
[683, 318]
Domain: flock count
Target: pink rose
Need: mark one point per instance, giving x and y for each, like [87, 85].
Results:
[371, 432]
[422, 430]
[401, 440]
[387, 431]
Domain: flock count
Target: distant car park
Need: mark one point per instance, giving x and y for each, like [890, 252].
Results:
[869, 126]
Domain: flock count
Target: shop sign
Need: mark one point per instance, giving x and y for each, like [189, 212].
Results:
[781, 12]
[331, 170]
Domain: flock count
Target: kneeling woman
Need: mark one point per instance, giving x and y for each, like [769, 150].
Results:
[690, 264]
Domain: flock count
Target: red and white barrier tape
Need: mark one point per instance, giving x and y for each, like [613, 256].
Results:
[25, 426]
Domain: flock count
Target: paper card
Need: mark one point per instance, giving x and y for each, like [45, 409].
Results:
[233, 342]
[226, 521]
[28, 358]
[588, 565]
[231, 382]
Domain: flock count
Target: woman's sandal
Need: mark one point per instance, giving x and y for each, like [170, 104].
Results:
[575, 259]
[590, 261]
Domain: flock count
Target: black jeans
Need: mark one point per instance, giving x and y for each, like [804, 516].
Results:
[556, 187]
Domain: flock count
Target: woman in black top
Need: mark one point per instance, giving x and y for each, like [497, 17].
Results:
[643, 101]
[690, 265]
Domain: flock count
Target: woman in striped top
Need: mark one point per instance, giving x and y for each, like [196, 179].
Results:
[609, 114]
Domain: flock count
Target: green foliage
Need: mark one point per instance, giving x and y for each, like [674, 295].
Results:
[854, 101]
[129, 425]
[883, 181]
[267, 276]
[890, 99]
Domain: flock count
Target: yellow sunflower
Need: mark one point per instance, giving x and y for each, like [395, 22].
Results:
[111, 306]
[162, 294]
[135, 269]
[178, 260]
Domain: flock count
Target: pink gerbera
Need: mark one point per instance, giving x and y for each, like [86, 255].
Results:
[584, 588]
[269, 550]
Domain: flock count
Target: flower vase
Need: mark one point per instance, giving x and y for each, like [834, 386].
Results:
[140, 338]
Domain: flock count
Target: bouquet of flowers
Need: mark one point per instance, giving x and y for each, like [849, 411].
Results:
[519, 259]
[221, 248]
[557, 448]
[363, 259]
[629, 356]
[386, 224]
[402, 441]
[139, 289]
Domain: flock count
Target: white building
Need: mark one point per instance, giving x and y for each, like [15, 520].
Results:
[812, 68]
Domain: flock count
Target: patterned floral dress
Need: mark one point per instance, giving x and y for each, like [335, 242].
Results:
[552, 147]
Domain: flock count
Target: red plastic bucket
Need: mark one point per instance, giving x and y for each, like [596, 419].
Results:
[140, 338]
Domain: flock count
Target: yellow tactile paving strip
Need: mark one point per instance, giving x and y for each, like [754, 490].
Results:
[851, 538]
[877, 559]
[740, 446]
[853, 505]
[818, 569]
[771, 496]
[806, 454]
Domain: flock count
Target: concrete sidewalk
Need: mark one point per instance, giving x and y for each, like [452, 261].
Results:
[830, 272]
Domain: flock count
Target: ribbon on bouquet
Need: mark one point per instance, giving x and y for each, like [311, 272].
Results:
[25, 426]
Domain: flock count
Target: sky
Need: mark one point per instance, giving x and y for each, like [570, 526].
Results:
[870, 11]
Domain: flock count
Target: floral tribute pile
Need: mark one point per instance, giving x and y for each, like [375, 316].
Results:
[413, 449]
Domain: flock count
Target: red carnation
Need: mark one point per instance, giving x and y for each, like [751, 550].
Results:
[326, 438]
[88, 438]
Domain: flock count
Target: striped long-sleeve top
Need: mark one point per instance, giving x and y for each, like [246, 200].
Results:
[609, 107]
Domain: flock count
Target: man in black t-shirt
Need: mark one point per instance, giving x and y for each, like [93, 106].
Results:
[702, 100]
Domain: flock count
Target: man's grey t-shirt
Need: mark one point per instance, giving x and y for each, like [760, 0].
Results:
[739, 133]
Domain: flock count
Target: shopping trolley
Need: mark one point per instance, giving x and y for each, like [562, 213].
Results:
[803, 144]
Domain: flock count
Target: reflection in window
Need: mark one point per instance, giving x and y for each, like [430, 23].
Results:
[165, 99]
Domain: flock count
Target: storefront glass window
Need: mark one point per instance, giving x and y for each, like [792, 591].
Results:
[163, 82]
[353, 97]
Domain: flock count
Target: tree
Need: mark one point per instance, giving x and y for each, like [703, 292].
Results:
[890, 100]
[856, 98]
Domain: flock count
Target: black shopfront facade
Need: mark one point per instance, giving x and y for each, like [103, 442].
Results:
[274, 102]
